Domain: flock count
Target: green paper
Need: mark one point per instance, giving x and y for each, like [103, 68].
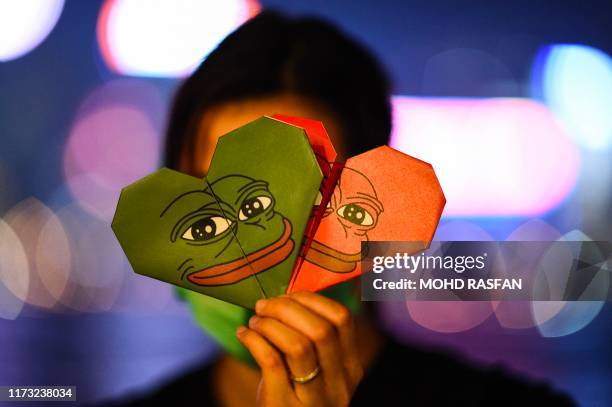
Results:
[220, 320]
[235, 234]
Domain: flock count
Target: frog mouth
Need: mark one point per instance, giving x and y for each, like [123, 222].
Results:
[332, 259]
[246, 266]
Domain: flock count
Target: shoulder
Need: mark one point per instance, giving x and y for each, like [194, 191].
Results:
[432, 378]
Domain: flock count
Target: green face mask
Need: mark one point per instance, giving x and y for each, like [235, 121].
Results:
[220, 319]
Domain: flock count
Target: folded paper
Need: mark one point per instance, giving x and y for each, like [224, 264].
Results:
[381, 195]
[276, 213]
[235, 234]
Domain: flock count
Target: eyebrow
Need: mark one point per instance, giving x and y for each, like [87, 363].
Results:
[372, 199]
[181, 196]
[249, 187]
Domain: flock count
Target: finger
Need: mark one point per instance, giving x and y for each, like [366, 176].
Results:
[272, 367]
[321, 332]
[341, 318]
[299, 354]
[334, 312]
[297, 348]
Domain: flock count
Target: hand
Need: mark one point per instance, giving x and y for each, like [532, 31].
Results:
[292, 335]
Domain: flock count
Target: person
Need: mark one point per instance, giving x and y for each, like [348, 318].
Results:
[307, 349]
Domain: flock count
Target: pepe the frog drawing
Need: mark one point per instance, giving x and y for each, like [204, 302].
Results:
[380, 195]
[351, 213]
[240, 206]
[214, 238]
[233, 234]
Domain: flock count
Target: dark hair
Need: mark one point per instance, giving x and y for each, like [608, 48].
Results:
[273, 53]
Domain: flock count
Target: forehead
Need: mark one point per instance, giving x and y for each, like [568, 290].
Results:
[226, 117]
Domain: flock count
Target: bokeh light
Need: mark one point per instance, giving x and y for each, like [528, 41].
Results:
[165, 38]
[561, 318]
[517, 314]
[52, 258]
[141, 294]
[14, 273]
[453, 316]
[131, 293]
[46, 246]
[575, 81]
[113, 142]
[494, 157]
[98, 263]
[24, 24]
[534, 230]
[461, 230]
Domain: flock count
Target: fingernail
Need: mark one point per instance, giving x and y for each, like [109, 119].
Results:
[253, 320]
[259, 305]
[241, 330]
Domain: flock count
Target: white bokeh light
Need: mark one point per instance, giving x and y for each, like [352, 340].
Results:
[163, 38]
[46, 248]
[562, 318]
[14, 273]
[24, 24]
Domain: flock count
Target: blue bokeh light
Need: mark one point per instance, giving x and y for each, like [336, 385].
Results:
[575, 81]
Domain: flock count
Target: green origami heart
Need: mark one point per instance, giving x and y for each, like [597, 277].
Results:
[235, 234]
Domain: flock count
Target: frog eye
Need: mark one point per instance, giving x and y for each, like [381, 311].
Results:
[206, 228]
[355, 214]
[254, 206]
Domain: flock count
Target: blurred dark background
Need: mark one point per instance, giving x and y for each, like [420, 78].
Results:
[510, 101]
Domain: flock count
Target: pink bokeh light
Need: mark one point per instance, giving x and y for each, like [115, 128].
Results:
[518, 314]
[113, 142]
[453, 316]
[494, 157]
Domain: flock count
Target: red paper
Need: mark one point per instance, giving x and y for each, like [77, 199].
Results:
[382, 195]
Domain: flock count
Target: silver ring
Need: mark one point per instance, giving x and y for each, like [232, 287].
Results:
[310, 376]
